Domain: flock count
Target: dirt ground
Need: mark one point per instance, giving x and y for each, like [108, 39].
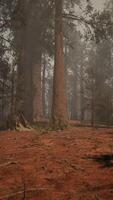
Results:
[76, 164]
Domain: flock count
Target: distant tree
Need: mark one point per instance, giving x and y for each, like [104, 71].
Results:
[100, 83]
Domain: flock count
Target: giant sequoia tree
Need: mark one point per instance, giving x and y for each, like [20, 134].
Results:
[31, 39]
[34, 32]
[31, 32]
[59, 107]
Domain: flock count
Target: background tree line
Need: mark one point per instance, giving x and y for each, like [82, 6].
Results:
[50, 68]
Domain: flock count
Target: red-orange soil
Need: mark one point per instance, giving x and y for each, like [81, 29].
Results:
[76, 164]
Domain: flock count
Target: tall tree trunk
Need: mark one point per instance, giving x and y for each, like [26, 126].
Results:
[24, 78]
[43, 85]
[12, 108]
[29, 89]
[74, 105]
[82, 111]
[92, 113]
[37, 89]
[3, 98]
[59, 106]
[93, 106]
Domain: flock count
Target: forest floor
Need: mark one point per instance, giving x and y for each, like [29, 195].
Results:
[75, 164]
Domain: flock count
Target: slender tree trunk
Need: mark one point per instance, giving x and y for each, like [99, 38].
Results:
[43, 85]
[81, 95]
[3, 99]
[74, 106]
[93, 106]
[74, 112]
[37, 89]
[12, 109]
[59, 106]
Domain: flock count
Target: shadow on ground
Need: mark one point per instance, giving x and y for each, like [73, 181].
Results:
[105, 160]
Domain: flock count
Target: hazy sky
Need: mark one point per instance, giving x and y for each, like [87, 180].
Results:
[99, 4]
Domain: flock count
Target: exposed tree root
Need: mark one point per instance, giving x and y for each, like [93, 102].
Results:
[18, 122]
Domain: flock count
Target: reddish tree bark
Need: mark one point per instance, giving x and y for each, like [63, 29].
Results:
[29, 89]
[59, 106]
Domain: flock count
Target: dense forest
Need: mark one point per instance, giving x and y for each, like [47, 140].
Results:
[56, 99]
[55, 63]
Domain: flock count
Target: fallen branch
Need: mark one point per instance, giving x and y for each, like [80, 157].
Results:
[11, 195]
[8, 163]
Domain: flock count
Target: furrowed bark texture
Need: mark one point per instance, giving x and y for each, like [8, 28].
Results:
[29, 89]
[59, 107]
